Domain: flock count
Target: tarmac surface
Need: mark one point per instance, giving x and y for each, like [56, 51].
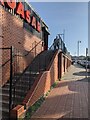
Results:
[69, 99]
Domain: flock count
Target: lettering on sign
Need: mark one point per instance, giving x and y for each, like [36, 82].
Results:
[24, 14]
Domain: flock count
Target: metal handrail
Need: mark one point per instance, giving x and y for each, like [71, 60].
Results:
[19, 55]
[38, 69]
[33, 48]
[21, 74]
[10, 87]
[14, 64]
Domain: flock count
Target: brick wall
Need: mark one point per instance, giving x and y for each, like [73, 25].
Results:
[64, 66]
[44, 83]
[46, 79]
[61, 64]
[15, 35]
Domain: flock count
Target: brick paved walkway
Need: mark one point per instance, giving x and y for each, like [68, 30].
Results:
[68, 100]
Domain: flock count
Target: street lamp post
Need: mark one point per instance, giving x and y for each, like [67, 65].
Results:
[78, 49]
[86, 60]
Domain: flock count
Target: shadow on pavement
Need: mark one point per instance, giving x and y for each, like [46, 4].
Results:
[72, 119]
[78, 66]
[56, 104]
[84, 80]
[59, 119]
[82, 73]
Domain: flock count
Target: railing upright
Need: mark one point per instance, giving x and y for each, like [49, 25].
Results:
[10, 88]
[13, 61]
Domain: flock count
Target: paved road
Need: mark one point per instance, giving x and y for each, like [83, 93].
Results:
[69, 99]
[76, 72]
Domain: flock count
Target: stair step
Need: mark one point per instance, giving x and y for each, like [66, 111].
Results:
[40, 63]
[4, 104]
[4, 101]
[4, 109]
[6, 90]
[4, 115]
[5, 97]
[18, 85]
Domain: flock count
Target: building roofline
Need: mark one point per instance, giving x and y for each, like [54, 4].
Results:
[35, 12]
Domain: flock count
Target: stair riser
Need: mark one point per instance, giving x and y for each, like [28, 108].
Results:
[40, 63]
[19, 86]
[6, 98]
[5, 115]
[5, 105]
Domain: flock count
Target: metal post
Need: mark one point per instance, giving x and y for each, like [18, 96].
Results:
[35, 49]
[86, 60]
[78, 49]
[39, 66]
[10, 89]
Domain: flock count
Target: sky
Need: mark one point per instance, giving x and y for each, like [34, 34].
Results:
[69, 16]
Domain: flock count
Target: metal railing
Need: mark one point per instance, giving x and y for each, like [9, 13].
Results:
[29, 75]
[10, 75]
[26, 75]
[12, 65]
[61, 46]
[19, 62]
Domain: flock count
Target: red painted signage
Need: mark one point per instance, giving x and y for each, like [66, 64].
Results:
[11, 5]
[20, 10]
[26, 15]
[2, 2]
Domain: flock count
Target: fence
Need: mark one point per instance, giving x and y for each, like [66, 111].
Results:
[14, 62]
[9, 62]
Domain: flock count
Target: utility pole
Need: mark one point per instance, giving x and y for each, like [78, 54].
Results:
[78, 49]
[86, 59]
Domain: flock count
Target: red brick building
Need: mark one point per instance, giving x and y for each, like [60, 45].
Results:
[20, 34]
[28, 67]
